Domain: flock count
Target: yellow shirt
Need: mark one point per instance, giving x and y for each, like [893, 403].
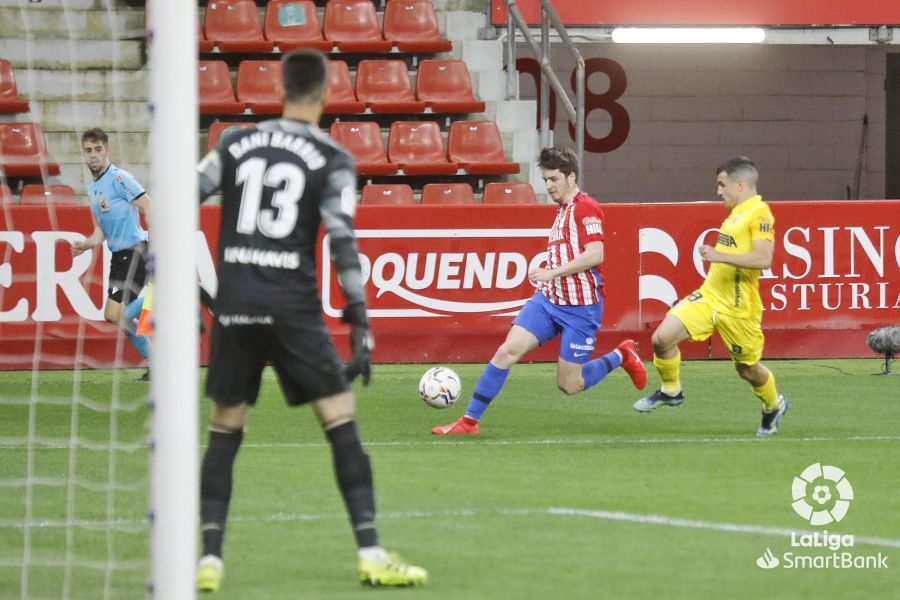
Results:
[735, 290]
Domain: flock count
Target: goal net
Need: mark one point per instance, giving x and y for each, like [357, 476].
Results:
[98, 477]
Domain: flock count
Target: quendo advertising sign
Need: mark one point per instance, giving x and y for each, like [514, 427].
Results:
[444, 282]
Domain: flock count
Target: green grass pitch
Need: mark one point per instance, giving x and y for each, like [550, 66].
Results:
[558, 497]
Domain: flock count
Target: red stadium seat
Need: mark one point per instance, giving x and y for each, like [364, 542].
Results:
[294, 24]
[353, 26]
[6, 196]
[220, 128]
[412, 26]
[233, 26]
[508, 193]
[23, 151]
[258, 82]
[9, 94]
[384, 86]
[445, 87]
[477, 147]
[387, 193]
[363, 141]
[418, 149]
[203, 43]
[447, 193]
[341, 98]
[216, 94]
[34, 193]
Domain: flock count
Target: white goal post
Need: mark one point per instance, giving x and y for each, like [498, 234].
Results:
[174, 480]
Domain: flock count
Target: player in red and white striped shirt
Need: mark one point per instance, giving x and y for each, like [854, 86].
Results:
[568, 303]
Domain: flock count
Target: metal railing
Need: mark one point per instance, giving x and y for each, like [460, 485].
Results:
[514, 20]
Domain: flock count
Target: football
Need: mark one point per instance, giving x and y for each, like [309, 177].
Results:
[439, 387]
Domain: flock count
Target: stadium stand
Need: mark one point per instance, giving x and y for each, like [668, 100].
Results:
[477, 147]
[203, 43]
[387, 193]
[447, 193]
[412, 26]
[215, 91]
[445, 87]
[10, 102]
[233, 26]
[258, 82]
[35, 193]
[294, 24]
[341, 96]
[417, 148]
[384, 86]
[363, 141]
[352, 25]
[23, 151]
[220, 128]
[508, 193]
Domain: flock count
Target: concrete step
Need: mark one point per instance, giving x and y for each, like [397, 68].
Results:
[73, 54]
[462, 25]
[446, 5]
[44, 84]
[78, 177]
[122, 23]
[68, 116]
[43, 5]
[127, 147]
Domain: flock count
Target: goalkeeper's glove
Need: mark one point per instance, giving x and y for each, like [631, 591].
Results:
[361, 343]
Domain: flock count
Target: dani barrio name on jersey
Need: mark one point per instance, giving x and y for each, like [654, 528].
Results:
[735, 290]
[275, 180]
[308, 153]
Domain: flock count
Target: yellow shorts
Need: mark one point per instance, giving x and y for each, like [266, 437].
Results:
[743, 338]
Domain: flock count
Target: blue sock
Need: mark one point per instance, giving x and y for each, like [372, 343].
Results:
[594, 371]
[133, 310]
[140, 342]
[489, 385]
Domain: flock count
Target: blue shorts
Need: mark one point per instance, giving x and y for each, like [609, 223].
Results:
[577, 324]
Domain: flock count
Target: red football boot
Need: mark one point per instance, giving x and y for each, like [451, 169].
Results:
[632, 364]
[462, 426]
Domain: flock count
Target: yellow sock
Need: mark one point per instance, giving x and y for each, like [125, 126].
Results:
[668, 373]
[767, 393]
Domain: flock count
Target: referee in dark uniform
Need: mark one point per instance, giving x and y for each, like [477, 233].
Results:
[279, 181]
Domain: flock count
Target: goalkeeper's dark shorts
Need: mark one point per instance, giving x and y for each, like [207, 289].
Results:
[299, 347]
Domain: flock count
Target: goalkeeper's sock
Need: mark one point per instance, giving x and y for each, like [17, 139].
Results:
[215, 487]
[668, 369]
[489, 385]
[768, 394]
[354, 476]
[594, 371]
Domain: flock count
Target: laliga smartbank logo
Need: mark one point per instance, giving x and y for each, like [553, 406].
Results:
[821, 495]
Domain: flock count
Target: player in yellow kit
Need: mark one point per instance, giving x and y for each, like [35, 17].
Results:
[728, 301]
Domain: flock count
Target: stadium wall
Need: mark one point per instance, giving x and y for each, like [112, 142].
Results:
[444, 281]
[661, 118]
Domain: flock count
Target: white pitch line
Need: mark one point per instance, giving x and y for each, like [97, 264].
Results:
[605, 515]
[693, 524]
[593, 514]
[546, 442]
[587, 442]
